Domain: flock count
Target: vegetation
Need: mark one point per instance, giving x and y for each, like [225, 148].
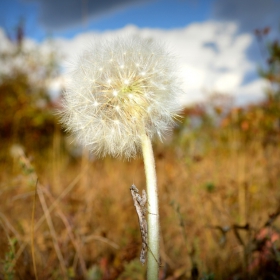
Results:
[64, 216]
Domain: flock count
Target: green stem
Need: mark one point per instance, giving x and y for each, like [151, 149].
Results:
[153, 213]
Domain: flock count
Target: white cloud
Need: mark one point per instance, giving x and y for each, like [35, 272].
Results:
[212, 57]
[31, 58]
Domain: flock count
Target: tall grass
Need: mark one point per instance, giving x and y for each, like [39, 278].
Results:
[219, 209]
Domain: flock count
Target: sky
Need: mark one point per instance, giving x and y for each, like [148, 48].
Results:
[214, 39]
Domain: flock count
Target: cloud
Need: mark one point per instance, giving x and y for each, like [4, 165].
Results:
[65, 13]
[248, 14]
[212, 57]
[33, 59]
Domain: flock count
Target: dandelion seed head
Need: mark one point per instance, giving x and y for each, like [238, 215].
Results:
[119, 90]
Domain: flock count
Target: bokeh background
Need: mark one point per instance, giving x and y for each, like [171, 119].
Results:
[65, 214]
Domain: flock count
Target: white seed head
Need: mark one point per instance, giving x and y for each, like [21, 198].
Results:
[120, 89]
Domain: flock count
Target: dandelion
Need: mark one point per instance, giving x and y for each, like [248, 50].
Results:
[123, 92]
[119, 90]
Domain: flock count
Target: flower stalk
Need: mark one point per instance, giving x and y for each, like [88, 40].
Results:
[153, 212]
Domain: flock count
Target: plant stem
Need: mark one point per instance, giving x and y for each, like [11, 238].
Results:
[153, 213]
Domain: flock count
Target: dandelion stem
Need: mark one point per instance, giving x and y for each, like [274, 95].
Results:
[153, 213]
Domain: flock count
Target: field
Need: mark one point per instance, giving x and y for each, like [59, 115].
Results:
[219, 205]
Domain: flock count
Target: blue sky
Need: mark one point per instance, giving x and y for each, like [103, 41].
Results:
[60, 20]
[66, 18]
[214, 38]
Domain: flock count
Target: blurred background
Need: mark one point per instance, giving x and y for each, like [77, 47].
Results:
[65, 214]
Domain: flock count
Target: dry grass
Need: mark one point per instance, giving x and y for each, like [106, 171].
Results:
[85, 226]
